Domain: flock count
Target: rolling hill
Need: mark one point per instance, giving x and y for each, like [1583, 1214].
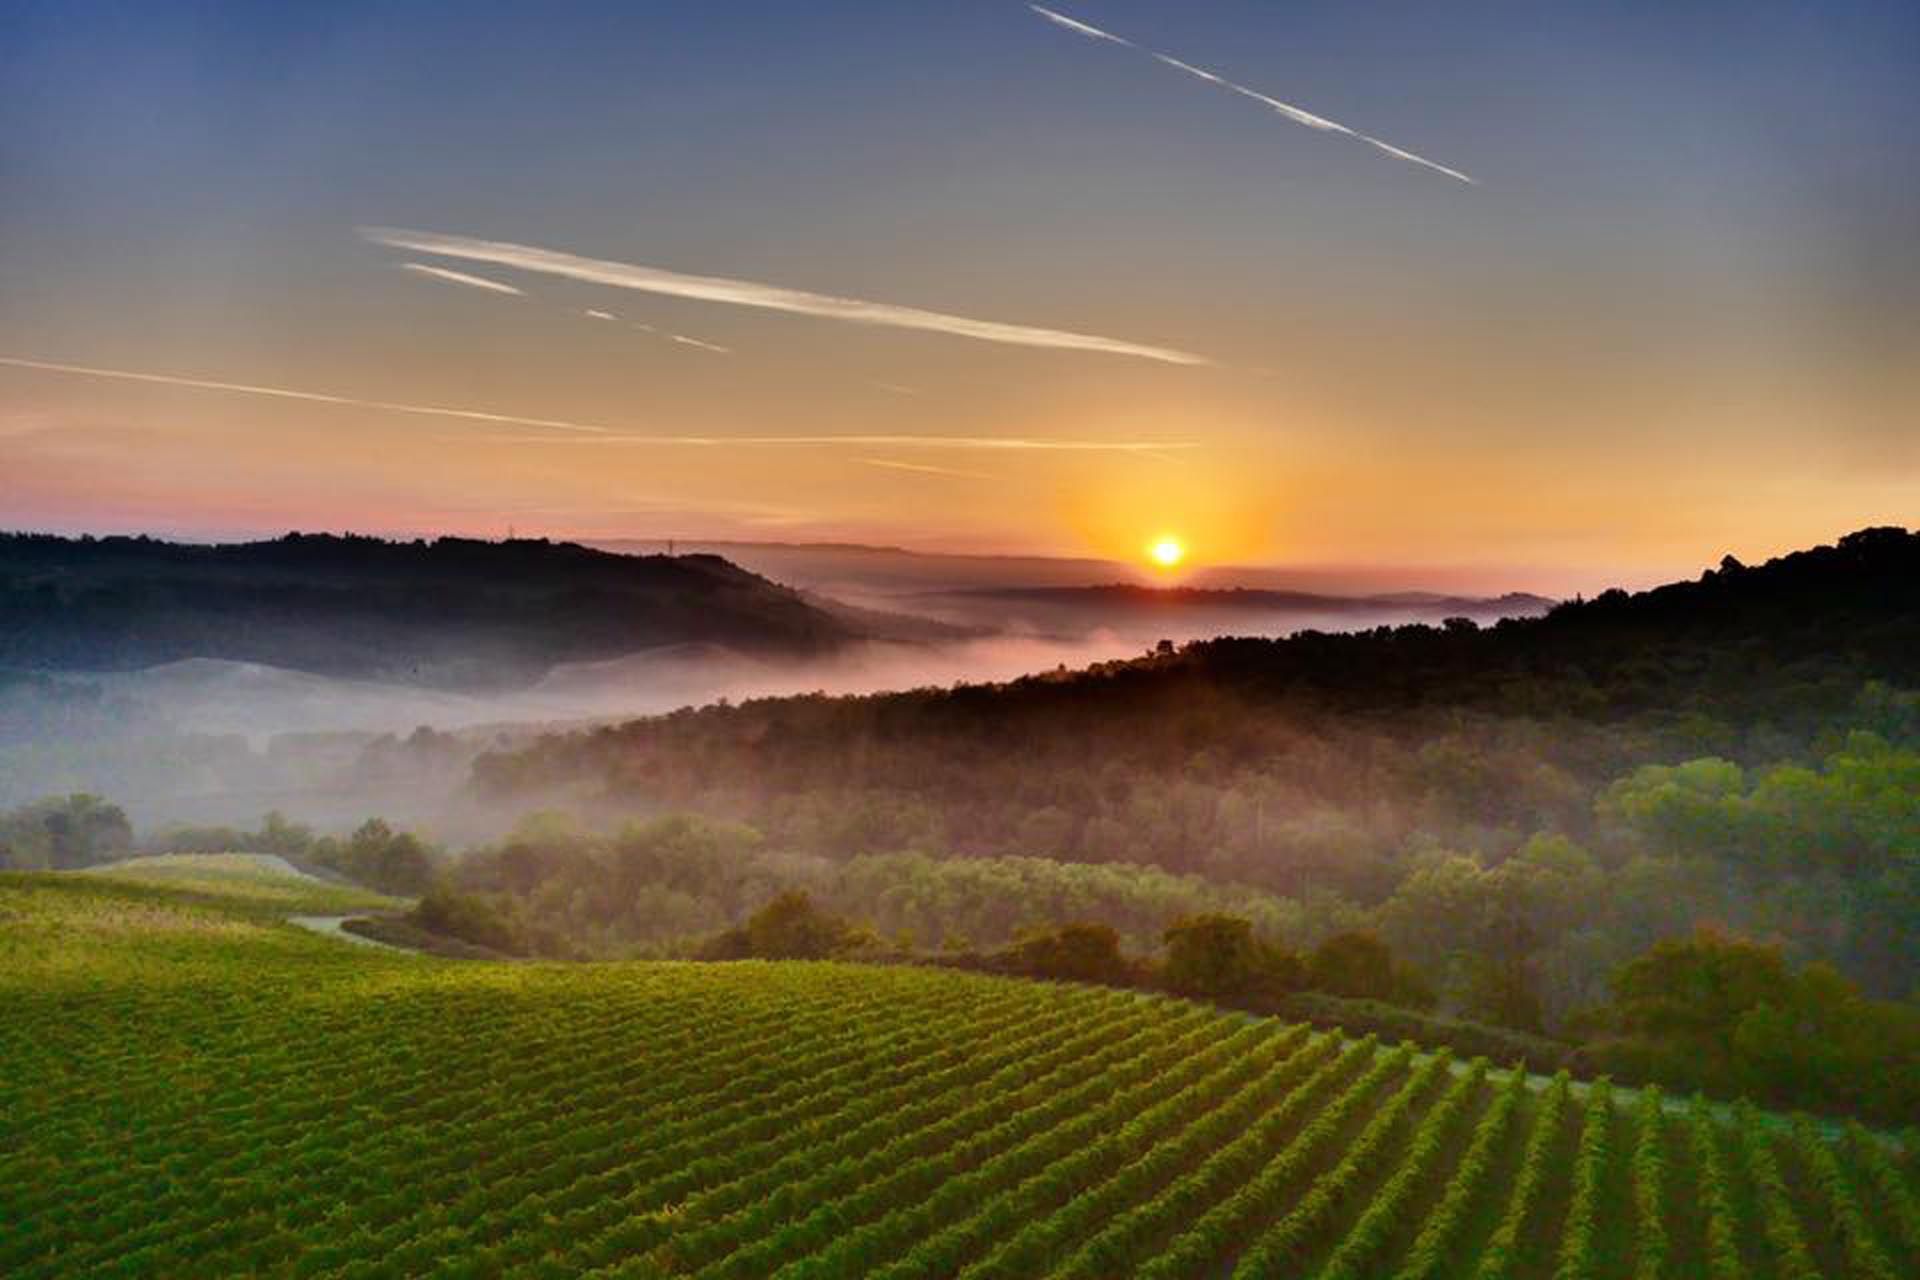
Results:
[453, 613]
[193, 1087]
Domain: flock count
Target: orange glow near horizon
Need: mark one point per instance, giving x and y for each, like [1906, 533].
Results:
[1166, 551]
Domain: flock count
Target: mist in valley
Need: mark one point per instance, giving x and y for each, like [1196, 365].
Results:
[209, 740]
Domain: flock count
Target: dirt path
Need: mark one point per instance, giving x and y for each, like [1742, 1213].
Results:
[330, 927]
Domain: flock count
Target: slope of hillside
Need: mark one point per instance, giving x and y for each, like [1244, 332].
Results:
[189, 1087]
[450, 613]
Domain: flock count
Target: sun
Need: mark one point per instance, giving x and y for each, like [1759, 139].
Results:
[1166, 551]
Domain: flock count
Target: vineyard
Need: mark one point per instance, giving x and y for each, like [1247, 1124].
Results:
[189, 1086]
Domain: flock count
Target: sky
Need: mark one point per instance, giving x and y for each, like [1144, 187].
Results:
[1549, 296]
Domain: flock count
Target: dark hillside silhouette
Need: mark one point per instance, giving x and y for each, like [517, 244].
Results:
[453, 612]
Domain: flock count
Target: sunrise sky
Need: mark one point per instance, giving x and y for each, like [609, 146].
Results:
[969, 276]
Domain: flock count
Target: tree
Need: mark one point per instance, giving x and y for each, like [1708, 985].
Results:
[1218, 955]
[63, 832]
[1359, 966]
[792, 928]
[467, 916]
[1073, 952]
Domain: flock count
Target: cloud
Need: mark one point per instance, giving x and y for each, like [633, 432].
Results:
[461, 277]
[595, 432]
[316, 397]
[1298, 115]
[680, 338]
[747, 293]
[892, 464]
[1080, 27]
[1011, 444]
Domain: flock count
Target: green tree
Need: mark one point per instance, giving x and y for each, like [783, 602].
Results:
[1359, 966]
[1218, 955]
[791, 927]
[1075, 952]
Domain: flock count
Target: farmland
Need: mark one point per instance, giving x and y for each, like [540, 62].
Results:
[190, 1086]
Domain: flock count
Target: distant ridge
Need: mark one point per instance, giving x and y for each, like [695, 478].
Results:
[448, 613]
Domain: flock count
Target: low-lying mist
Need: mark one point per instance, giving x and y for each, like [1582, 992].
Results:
[207, 741]
[329, 677]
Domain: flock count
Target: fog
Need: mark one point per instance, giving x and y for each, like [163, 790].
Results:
[215, 741]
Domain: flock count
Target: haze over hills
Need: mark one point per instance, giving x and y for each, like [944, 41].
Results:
[1110, 603]
[859, 569]
[1151, 613]
[211, 681]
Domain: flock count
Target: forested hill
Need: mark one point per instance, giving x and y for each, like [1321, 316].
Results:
[452, 612]
[1797, 633]
[1793, 639]
[1314, 761]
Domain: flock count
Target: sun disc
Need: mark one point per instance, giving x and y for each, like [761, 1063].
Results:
[1167, 552]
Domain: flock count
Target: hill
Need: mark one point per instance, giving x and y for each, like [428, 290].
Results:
[452, 613]
[1149, 613]
[191, 1087]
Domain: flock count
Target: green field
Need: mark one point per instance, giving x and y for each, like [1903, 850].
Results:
[191, 1087]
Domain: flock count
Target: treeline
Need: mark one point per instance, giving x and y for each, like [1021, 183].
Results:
[656, 887]
[1822, 854]
[453, 612]
[1546, 796]
[62, 833]
[374, 854]
[1712, 1013]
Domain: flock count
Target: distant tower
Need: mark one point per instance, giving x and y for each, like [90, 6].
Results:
[669, 546]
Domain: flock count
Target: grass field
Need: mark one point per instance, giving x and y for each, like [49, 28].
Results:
[191, 1087]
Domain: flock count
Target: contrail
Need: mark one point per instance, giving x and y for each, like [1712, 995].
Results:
[596, 433]
[1011, 444]
[316, 397]
[680, 338]
[1296, 114]
[685, 341]
[892, 464]
[748, 293]
[461, 277]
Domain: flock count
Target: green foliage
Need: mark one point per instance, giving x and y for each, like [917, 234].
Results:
[379, 857]
[1731, 1017]
[467, 917]
[790, 927]
[1074, 952]
[1359, 966]
[1218, 955]
[63, 832]
[188, 1086]
[1394, 1022]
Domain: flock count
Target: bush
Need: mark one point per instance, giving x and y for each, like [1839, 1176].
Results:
[1359, 966]
[790, 927]
[1074, 953]
[1218, 956]
[467, 916]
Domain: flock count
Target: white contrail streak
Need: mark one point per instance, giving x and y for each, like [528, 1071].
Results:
[596, 433]
[282, 393]
[680, 338]
[461, 277]
[1011, 444]
[892, 464]
[1298, 115]
[1080, 28]
[748, 293]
